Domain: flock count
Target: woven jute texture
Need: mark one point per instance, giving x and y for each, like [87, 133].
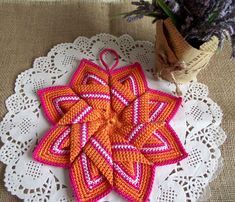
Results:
[30, 30]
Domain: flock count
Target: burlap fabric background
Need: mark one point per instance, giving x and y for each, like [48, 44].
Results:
[30, 30]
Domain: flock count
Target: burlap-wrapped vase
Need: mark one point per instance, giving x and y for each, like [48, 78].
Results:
[176, 60]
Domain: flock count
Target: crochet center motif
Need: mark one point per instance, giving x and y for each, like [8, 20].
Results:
[110, 130]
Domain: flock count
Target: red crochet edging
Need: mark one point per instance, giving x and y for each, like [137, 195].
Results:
[77, 196]
[177, 99]
[82, 63]
[40, 94]
[134, 65]
[38, 148]
[150, 185]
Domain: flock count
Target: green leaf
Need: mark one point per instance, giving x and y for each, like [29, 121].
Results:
[167, 10]
[120, 14]
[213, 16]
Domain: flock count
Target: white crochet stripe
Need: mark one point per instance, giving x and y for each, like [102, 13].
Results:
[156, 149]
[136, 111]
[156, 113]
[91, 183]
[93, 76]
[82, 115]
[95, 95]
[61, 99]
[57, 143]
[127, 177]
[123, 146]
[135, 131]
[102, 151]
[84, 135]
[120, 97]
[152, 102]
[133, 83]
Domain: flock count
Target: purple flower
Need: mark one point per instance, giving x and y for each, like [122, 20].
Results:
[197, 20]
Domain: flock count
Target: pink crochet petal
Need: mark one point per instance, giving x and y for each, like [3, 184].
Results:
[87, 181]
[133, 180]
[97, 96]
[131, 76]
[80, 135]
[88, 73]
[123, 151]
[81, 112]
[162, 106]
[164, 147]
[52, 148]
[138, 111]
[137, 135]
[56, 101]
[99, 151]
[121, 96]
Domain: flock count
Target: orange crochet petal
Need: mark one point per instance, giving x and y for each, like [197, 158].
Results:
[50, 149]
[162, 106]
[81, 112]
[97, 96]
[88, 183]
[124, 151]
[133, 181]
[138, 111]
[80, 135]
[121, 96]
[139, 134]
[164, 147]
[56, 101]
[131, 76]
[88, 73]
[99, 150]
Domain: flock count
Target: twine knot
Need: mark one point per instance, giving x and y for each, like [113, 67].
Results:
[169, 68]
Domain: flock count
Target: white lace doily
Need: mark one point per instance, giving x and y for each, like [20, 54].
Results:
[24, 125]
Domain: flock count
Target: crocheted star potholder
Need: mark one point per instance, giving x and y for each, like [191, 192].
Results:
[110, 130]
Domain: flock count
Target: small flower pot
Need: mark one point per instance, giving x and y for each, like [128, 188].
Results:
[176, 60]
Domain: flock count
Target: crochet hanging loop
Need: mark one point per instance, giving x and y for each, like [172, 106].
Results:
[106, 65]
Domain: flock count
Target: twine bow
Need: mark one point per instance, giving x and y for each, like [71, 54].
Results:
[169, 68]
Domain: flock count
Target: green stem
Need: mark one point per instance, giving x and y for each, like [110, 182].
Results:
[167, 10]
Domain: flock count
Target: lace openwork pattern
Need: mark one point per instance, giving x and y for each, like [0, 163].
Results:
[197, 123]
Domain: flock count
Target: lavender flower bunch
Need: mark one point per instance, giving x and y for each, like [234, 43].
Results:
[196, 20]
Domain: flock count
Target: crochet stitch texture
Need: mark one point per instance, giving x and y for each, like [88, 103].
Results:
[110, 130]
